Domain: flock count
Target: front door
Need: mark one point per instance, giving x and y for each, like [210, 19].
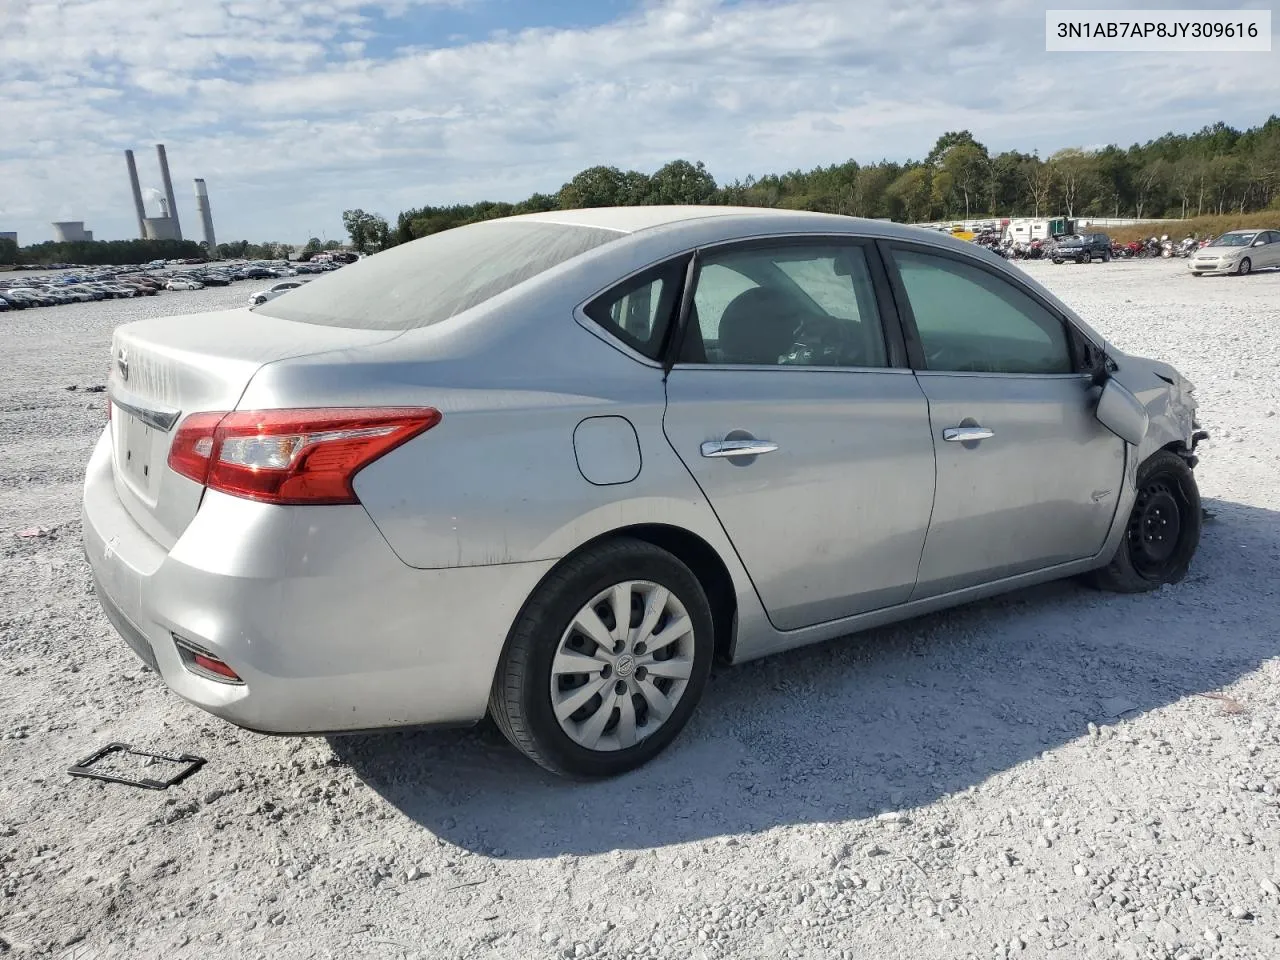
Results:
[813, 450]
[1027, 476]
[1269, 253]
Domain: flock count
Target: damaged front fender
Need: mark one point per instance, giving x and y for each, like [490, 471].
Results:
[1168, 399]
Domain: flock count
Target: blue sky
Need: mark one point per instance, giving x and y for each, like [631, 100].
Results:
[293, 110]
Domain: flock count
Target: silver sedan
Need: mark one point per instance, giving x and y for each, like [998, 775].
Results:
[549, 467]
[1239, 252]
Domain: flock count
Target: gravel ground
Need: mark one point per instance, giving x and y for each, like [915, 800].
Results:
[1055, 770]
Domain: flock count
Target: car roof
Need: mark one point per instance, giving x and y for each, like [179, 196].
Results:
[709, 222]
[633, 219]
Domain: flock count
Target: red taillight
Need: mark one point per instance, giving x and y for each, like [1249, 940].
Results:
[192, 446]
[291, 456]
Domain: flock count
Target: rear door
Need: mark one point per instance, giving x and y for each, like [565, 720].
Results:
[792, 407]
[1027, 476]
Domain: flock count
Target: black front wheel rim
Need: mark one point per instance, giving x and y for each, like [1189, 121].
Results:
[1158, 527]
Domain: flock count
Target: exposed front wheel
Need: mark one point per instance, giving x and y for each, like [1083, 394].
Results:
[607, 661]
[1245, 266]
[1163, 529]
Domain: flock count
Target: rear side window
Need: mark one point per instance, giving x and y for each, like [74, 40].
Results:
[437, 277]
[639, 311]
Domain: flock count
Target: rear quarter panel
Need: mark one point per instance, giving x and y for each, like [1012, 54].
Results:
[497, 480]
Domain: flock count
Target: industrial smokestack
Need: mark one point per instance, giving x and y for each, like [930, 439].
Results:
[168, 189]
[137, 194]
[206, 218]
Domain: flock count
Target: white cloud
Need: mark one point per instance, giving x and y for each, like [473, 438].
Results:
[291, 113]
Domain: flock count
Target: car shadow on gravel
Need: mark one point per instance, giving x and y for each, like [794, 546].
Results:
[890, 719]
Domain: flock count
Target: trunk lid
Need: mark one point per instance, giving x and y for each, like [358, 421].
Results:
[167, 368]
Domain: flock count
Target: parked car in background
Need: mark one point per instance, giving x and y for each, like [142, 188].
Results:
[183, 283]
[32, 296]
[1239, 252]
[276, 290]
[1082, 248]
[549, 467]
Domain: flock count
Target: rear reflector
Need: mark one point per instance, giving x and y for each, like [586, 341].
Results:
[291, 456]
[201, 662]
[214, 666]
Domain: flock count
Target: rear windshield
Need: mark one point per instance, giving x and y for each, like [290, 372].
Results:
[429, 280]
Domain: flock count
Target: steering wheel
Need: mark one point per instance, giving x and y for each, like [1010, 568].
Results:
[828, 336]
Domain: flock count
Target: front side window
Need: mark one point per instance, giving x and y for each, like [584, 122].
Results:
[787, 305]
[970, 320]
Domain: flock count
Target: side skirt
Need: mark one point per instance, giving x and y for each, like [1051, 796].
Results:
[774, 641]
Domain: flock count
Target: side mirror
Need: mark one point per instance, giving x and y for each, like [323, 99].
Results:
[1122, 413]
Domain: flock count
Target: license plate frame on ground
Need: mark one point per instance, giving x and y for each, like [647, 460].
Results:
[83, 768]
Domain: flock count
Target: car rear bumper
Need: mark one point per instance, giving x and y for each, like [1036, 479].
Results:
[329, 630]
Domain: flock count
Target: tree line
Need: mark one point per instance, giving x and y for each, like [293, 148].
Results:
[1218, 169]
[120, 252]
[271, 250]
[99, 252]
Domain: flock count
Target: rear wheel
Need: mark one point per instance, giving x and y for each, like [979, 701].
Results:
[1245, 266]
[1163, 529]
[1106, 256]
[607, 661]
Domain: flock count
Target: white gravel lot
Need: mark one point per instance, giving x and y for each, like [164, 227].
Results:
[1058, 771]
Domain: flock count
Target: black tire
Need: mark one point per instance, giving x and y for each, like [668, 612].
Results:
[520, 699]
[1084, 258]
[1106, 256]
[1167, 495]
[1245, 266]
[1058, 260]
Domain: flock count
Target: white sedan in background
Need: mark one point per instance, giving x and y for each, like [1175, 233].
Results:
[184, 283]
[1239, 252]
[284, 286]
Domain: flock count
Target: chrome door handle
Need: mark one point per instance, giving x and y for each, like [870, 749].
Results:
[967, 434]
[737, 448]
